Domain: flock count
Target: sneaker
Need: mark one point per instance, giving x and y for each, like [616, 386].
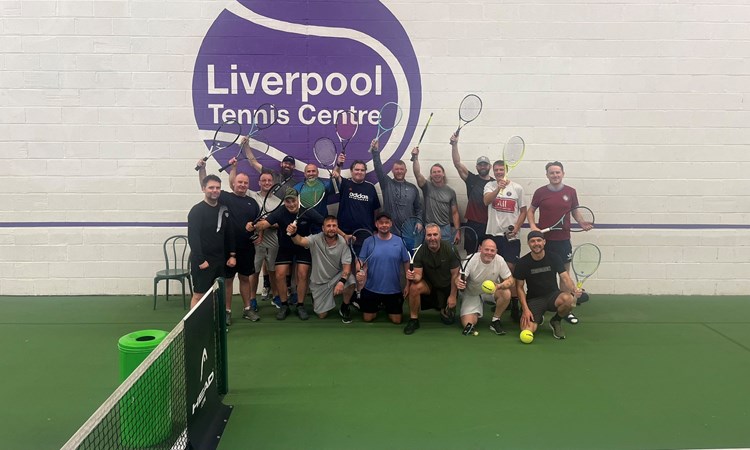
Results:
[572, 319]
[448, 316]
[228, 317]
[557, 329]
[302, 312]
[254, 305]
[265, 292]
[249, 314]
[277, 302]
[468, 329]
[583, 298]
[411, 326]
[515, 311]
[345, 313]
[497, 328]
[283, 312]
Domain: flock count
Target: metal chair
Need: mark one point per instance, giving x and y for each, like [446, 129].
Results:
[177, 260]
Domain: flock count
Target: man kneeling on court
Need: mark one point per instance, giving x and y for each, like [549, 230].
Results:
[488, 266]
[432, 283]
[539, 270]
[331, 265]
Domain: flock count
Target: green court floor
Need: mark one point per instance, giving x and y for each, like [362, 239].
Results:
[637, 373]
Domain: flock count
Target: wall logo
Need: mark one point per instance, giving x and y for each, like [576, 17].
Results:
[310, 59]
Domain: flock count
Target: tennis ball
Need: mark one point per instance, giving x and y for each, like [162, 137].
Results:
[475, 333]
[488, 287]
[527, 337]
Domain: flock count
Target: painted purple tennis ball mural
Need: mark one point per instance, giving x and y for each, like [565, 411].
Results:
[311, 59]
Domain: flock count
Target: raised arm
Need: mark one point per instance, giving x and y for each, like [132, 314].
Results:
[377, 162]
[463, 172]
[250, 155]
[421, 181]
[201, 171]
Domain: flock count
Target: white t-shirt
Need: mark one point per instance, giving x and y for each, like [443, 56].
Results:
[477, 272]
[505, 208]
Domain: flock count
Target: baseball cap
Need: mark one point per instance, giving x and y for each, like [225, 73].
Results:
[382, 214]
[483, 160]
[534, 234]
[290, 193]
[288, 159]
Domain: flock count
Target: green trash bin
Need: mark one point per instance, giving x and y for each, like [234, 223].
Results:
[145, 412]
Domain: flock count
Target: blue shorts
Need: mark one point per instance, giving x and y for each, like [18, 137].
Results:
[563, 249]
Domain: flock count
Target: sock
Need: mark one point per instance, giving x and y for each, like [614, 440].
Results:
[557, 318]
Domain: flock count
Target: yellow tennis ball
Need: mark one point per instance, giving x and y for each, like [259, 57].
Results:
[476, 333]
[527, 337]
[488, 287]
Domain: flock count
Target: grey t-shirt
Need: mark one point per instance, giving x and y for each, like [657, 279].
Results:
[400, 199]
[438, 203]
[327, 261]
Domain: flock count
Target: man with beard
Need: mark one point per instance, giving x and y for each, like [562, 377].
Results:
[400, 197]
[538, 270]
[359, 200]
[381, 275]
[432, 283]
[211, 242]
[242, 209]
[476, 210]
[440, 203]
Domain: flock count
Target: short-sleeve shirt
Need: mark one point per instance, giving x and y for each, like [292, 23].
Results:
[438, 203]
[540, 276]
[477, 272]
[475, 188]
[327, 261]
[505, 207]
[551, 206]
[357, 205]
[283, 218]
[436, 266]
[384, 267]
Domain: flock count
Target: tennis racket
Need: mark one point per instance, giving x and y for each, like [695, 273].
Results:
[263, 117]
[512, 155]
[412, 235]
[585, 261]
[260, 144]
[357, 244]
[466, 236]
[583, 215]
[468, 111]
[307, 203]
[346, 128]
[270, 204]
[413, 156]
[390, 116]
[325, 152]
[224, 137]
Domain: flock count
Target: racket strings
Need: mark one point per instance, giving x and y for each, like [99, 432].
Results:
[390, 116]
[586, 259]
[346, 126]
[264, 116]
[325, 152]
[470, 108]
[513, 151]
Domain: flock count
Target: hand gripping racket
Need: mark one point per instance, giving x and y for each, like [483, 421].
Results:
[412, 235]
[362, 248]
[224, 137]
[413, 156]
[257, 143]
[307, 203]
[270, 204]
[460, 250]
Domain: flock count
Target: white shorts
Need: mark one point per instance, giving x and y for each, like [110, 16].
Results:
[322, 294]
[265, 254]
[472, 304]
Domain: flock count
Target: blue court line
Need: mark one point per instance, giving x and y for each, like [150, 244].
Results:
[606, 226]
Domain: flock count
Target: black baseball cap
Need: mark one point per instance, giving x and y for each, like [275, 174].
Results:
[289, 159]
[382, 214]
[534, 234]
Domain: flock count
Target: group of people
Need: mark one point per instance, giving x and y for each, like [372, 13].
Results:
[232, 233]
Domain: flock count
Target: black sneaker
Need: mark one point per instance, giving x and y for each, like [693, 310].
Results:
[411, 326]
[583, 298]
[345, 313]
[468, 329]
[302, 312]
[283, 312]
[497, 327]
[557, 329]
[572, 319]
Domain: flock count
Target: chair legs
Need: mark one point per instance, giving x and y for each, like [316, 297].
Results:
[156, 282]
[182, 282]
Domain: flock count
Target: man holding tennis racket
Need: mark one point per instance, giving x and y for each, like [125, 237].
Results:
[537, 271]
[359, 200]
[242, 209]
[331, 265]
[440, 204]
[432, 283]
[488, 267]
[386, 256]
[554, 201]
[476, 209]
[314, 191]
[285, 175]
[400, 197]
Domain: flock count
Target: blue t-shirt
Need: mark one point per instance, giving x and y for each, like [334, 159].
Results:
[357, 205]
[384, 267]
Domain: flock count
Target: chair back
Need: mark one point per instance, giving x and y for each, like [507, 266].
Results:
[175, 252]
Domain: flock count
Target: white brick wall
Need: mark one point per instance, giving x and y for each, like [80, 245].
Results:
[637, 99]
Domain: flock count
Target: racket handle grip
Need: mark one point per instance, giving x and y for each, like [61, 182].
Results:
[411, 266]
[545, 230]
[335, 186]
[224, 167]
[293, 223]
[458, 131]
[197, 168]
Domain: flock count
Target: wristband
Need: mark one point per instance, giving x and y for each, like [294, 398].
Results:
[342, 280]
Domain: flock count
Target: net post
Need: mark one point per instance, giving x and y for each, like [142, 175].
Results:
[221, 339]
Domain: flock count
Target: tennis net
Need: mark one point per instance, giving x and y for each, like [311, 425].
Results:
[171, 399]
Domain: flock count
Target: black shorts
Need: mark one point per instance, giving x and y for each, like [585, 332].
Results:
[563, 249]
[436, 299]
[370, 302]
[288, 256]
[203, 279]
[245, 263]
[539, 305]
[510, 251]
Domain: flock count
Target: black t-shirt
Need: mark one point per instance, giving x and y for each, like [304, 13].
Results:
[436, 266]
[242, 210]
[283, 218]
[476, 211]
[540, 276]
